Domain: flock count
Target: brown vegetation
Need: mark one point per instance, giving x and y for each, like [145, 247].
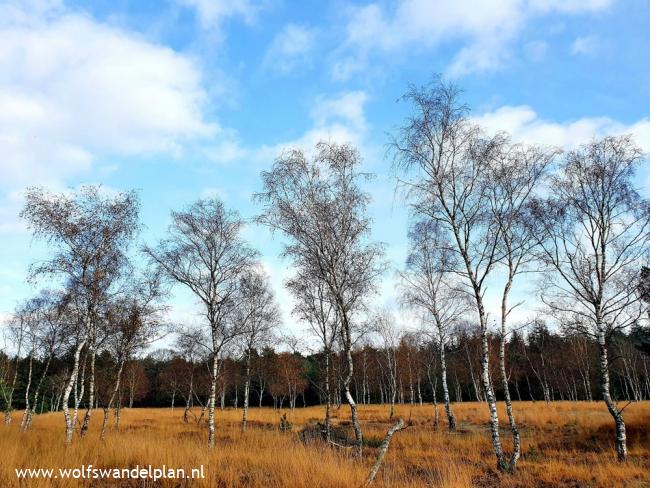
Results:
[564, 444]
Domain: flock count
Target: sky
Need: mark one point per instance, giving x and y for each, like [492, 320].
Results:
[182, 99]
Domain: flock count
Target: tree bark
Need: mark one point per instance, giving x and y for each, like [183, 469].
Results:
[487, 386]
[516, 445]
[347, 340]
[23, 423]
[382, 450]
[213, 399]
[91, 391]
[621, 441]
[451, 420]
[69, 427]
[247, 385]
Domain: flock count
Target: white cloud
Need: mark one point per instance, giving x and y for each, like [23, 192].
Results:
[347, 107]
[290, 48]
[485, 30]
[339, 118]
[73, 89]
[525, 125]
[585, 45]
[212, 12]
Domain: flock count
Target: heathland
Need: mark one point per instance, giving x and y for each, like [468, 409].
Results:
[564, 444]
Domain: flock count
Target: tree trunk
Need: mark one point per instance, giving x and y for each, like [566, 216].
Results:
[23, 423]
[107, 407]
[328, 399]
[10, 396]
[516, 446]
[68, 390]
[621, 442]
[382, 450]
[91, 392]
[213, 399]
[451, 420]
[247, 386]
[347, 340]
[487, 386]
[31, 413]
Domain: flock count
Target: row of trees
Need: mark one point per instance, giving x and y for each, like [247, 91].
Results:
[543, 365]
[485, 210]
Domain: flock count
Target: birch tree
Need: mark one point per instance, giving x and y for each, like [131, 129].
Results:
[17, 331]
[204, 252]
[257, 314]
[428, 286]
[595, 237]
[385, 328]
[318, 204]
[516, 173]
[314, 306]
[134, 320]
[89, 234]
[445, 162]
[46, 329]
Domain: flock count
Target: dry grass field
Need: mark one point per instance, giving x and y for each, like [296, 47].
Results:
[564, 444]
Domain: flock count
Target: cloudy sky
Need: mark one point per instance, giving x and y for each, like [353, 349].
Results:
[188, 98]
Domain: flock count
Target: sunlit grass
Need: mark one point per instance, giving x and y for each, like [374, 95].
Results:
[564, 444]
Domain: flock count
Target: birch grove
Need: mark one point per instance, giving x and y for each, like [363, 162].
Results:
[490, 219]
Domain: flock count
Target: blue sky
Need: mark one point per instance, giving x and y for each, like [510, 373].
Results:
[188, 98]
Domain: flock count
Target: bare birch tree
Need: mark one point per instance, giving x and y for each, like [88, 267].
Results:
[204, 252]
[428, 285]
[257, 314]
[385, 328]
[314, 306]
[516, 174]
[595, 237]
[46, 331]
[134, 319]
[445, 159]
[319, 205]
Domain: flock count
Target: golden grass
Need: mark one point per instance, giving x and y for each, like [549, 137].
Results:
[564, 444]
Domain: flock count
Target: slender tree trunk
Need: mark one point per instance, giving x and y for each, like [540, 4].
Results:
[347, 340]
[23, 423]
[247, 386]
[487, 386]
[69, 426]
[12, 389]
[516, 446]
[107, 407]
[188, 401]
[213, 399]
[382, 450]
[261, 395]
[434, 386]
[37, 391]
[328, 399]
[392, 371]
[79, 392]
[91, 391]
[621, 442]
[451, 420]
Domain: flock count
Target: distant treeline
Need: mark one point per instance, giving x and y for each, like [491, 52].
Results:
[543, 366]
